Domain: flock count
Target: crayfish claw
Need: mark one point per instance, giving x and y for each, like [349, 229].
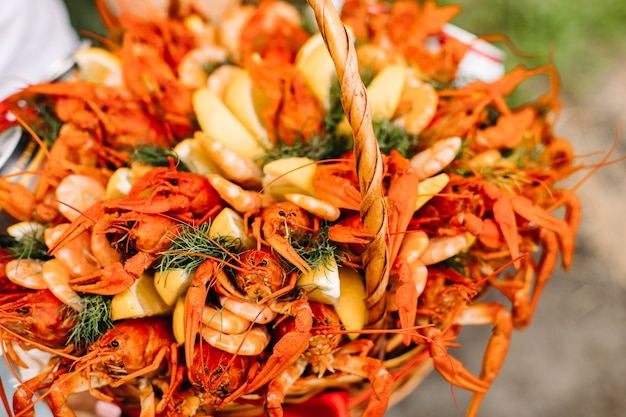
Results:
[284, 248]
[113, 278]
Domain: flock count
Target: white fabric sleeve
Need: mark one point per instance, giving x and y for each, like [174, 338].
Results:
[37, 39]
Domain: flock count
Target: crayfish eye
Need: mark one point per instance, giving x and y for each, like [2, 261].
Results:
[263, 262]
[22, 310]
[114, 344]
[281, 212]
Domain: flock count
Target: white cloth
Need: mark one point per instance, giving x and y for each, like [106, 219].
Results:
[36, 39]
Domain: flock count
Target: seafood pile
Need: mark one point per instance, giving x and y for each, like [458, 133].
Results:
[210, 233]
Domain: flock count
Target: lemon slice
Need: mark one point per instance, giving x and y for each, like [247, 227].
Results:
[217, 121]
[230, 223]
[384, 94]
[21, 230]
[290, 176]
[322, 283]
[140, 300]
[429, 187]
[172, 283]
[192, 153]
[120, 183]
[351, 307]
[178, 321]
[97, 65]
[314, 62]
[247, 103]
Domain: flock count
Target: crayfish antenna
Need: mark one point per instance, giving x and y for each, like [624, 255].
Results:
[83, 223]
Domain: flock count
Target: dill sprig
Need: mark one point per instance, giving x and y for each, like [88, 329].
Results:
[329, 145]
[156, 156]
[506, 178]
[316, 148]
[30, 246]
[316, 248]
[192, 246]
[43, 121]
[391, 136]
[92, 321]
[336, 113]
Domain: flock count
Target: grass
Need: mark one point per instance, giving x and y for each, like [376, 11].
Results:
[582, 38]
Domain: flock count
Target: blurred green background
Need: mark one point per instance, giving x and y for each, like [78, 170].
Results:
[582, 38]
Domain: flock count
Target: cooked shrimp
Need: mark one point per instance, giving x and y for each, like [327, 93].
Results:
[444, 247]
[57, 279]
[231, 26]
[256, 313]
[432, 160]
[236, 168]
[193, 69]
[75, 255]
[76, 193]
[27, 273]
[315, 206]
[250, 343]
[240, 199]
[224, 320]
[418, 104]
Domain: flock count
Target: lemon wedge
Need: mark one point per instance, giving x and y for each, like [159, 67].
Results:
[314, 62]
[172, 283]
[217, 121]
[322, 283]
[292, 175]
[384, 94]
[178, 321]
[97, 65]
[140, 300]
[26, 229]
[246, 102]
[351, 307]
[120, 183]
[230, 223]
[429, 187]
[192, 153]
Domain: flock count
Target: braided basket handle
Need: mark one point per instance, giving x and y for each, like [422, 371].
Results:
[366, 152]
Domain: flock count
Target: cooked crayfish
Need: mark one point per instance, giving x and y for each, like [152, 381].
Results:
[130, 350]
[324, 354]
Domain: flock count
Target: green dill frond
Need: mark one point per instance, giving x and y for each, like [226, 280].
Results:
[46, 124]
[30, 246]
[316, 148]
[336, 113]
[92, 321]
[156, 156]
[506, 178]
[316, 248]
[367, 75]
[391, 136]
[456, 263]
[192, 246]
